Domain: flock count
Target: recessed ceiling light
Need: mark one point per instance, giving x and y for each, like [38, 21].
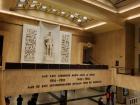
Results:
[95, 25]
[128, 8]
[133, 17]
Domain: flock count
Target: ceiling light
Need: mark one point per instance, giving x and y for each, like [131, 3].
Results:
[72, 16]
[44, 7]
[62, 12]
[54, 10]
[22, 1]
[20, 5]
[32, 5]
[133, 17]
[35, 1]
[36, 5]
[85, 18]
[79, 20]
[95, 25]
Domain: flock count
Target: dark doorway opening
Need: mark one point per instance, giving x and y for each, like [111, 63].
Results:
[1, 49]
[87, 58]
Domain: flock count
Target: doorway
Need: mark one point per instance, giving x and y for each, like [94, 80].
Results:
[87, 56]
[85, 51]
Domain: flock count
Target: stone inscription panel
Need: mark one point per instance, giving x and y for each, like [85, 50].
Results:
[53, 80]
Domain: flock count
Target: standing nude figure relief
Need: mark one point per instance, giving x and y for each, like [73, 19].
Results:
[48, 42]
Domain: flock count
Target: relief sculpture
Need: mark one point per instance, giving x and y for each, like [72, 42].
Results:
[30, 45]
[65, 47]
[45, 44]
[48, 42]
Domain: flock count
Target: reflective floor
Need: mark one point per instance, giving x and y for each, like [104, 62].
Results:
[78, 97]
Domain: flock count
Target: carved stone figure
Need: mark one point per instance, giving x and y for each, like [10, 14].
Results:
[48, 42]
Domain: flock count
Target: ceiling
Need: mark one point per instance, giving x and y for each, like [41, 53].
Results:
[116, 3]
[112, 12]
[121, 3]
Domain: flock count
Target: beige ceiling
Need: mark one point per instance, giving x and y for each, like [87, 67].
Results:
[98, 14]
[121, 3]
[116, 3]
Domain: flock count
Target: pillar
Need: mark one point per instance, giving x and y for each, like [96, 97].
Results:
[2, 100]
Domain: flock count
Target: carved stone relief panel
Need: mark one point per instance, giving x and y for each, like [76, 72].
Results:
[65, 43]
[29, 43]
[49, 42]
[45, 44]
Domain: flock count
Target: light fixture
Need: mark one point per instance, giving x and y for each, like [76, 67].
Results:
[36, 5]
[22, 1]
[35, 1]
[54, 10]
[85, 18]
[44, 7]
[79, 20]
[71, 16]
[133, 17]
[20, 5]
[32, 5]
[47, 21]
[95, 25]
[62, 12]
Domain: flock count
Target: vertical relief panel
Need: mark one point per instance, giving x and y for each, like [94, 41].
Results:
[49, 43]
[30, 39]
[65, 46]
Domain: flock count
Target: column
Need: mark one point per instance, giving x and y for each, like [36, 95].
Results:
[2, 100]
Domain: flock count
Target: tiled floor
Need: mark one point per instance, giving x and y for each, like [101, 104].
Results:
[77, 95]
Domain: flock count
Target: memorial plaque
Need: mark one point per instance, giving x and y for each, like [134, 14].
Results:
[34, 81]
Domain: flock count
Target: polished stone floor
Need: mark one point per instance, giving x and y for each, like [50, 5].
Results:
[78, 97]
